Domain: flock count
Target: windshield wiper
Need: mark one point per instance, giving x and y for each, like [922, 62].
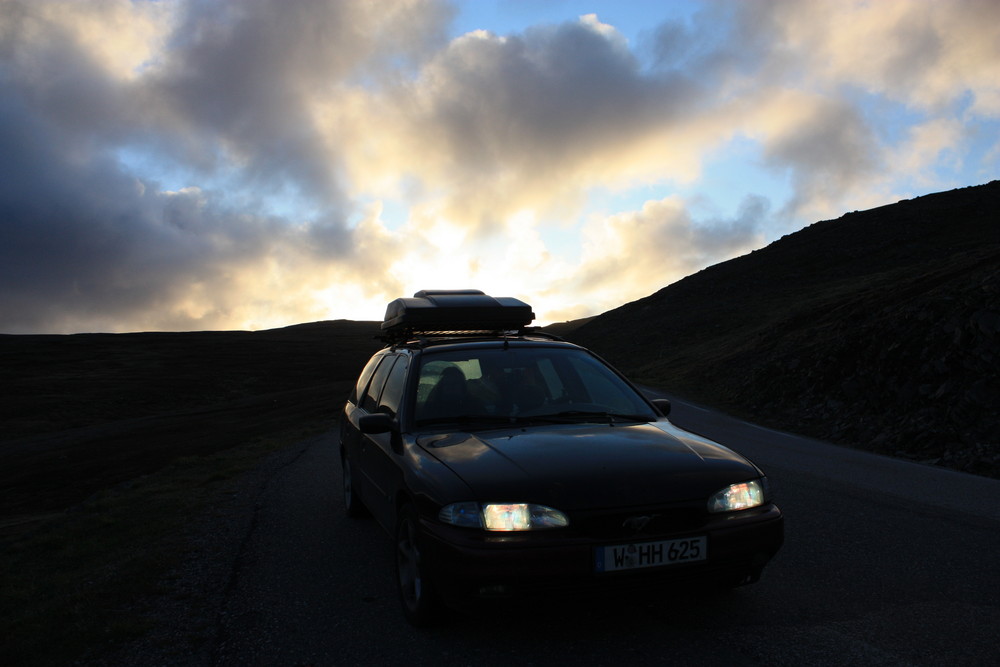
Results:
[565, 417]
[571, 416]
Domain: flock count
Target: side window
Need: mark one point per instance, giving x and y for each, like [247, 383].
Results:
[392, 395]
[370, 400]
[363, 378]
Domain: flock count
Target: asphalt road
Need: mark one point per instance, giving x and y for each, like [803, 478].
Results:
[885, 562]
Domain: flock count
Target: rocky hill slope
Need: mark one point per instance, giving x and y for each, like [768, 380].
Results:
[880, 329]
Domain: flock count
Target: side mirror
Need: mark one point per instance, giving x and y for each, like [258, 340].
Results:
[375, 424]
[663, 405]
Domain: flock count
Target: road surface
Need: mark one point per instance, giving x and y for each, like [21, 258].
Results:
[885, 563]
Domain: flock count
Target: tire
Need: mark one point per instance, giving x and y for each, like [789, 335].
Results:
[352, 502]
[420, 602]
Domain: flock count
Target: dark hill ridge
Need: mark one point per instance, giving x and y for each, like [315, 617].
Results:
[83, 412]
[879, 329]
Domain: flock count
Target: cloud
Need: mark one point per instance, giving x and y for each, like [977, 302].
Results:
[825, 86]
[658, 245]
[527, 120]
[86, 246]
[199, 164]
[119, 37]
[830, 150]
[237, 84]
[926, 143]
[926, 54]
[218, 90]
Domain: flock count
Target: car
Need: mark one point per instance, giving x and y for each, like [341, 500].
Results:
[507, 463]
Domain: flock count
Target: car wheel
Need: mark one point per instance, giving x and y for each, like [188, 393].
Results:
[352, 503]
[416, 592]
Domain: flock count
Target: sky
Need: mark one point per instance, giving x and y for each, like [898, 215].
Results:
[216, 165]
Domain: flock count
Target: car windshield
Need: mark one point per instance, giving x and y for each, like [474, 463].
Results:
[484, 387]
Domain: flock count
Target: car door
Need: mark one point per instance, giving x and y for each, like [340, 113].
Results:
[350, 433]
[378, 458]
[358, 443]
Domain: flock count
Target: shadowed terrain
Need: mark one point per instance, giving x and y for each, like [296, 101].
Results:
[83, 412]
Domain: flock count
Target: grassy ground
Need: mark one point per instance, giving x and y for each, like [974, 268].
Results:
[75, 583]
[112, 443]
[83, 413]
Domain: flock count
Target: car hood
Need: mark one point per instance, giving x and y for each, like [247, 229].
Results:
[584, 466]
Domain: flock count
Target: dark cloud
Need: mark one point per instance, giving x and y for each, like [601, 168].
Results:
[44, 68]
[85, 244]
[725, 238]
[830, 151]
[548, 99]
[235, 83]
[720, 42]
[239, 79]
[916, 49]
[695, 245]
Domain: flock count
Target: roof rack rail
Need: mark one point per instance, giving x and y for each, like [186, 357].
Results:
[451, 312]
[537, 331]
[428, 338]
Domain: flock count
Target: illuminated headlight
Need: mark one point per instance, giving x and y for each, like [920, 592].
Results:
[503, 516]
[740, 496]
[521, 516]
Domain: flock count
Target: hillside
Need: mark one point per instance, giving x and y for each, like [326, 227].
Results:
[879, 330]
[83, 412]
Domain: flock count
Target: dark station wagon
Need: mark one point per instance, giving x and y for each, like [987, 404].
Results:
[506, 463]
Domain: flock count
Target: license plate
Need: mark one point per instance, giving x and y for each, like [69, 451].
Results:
[650, 554]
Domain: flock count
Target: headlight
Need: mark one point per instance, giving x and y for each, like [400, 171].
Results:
[503, 516]
[740, 496]
[466, 515]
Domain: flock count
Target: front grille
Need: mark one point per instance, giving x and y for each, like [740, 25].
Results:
[640, 523]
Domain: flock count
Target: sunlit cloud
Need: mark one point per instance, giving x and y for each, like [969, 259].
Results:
[926, 54]
[660, 243]
[217, 165]
[119, 37]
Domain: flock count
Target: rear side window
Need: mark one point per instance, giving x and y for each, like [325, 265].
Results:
[366, 373]
[392, 395]
[370, 400]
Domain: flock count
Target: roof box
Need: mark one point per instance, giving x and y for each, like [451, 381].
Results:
[447, 311]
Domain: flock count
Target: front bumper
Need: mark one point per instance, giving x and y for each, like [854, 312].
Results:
[467, 565]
